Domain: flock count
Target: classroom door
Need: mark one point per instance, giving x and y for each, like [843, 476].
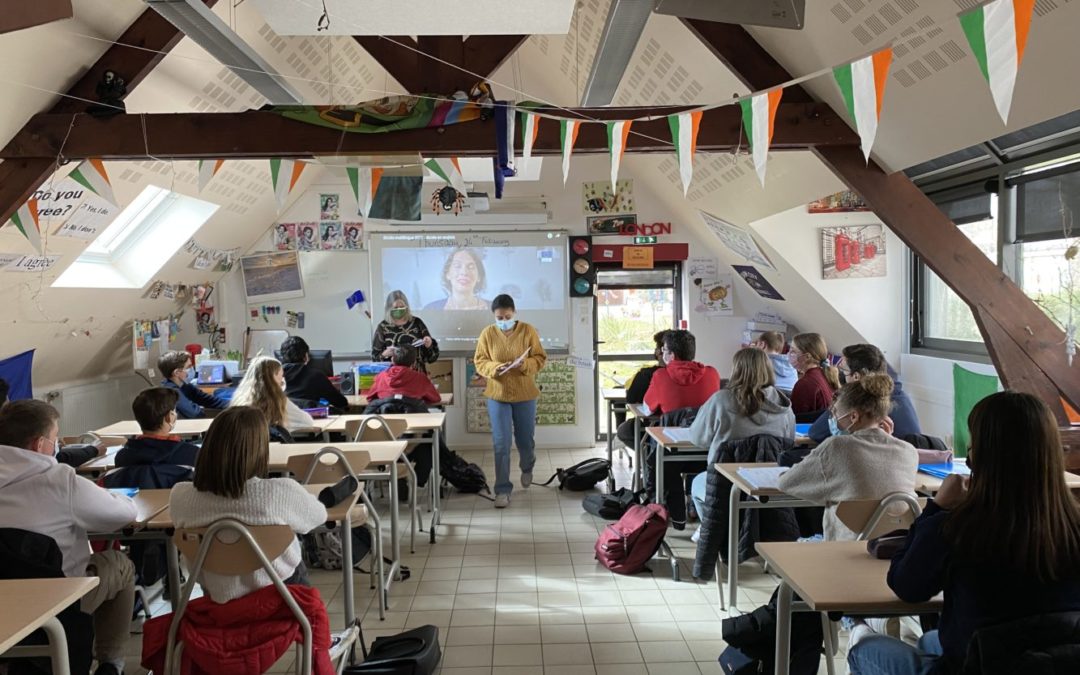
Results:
[631, 306]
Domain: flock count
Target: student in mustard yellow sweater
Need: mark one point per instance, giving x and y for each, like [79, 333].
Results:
[511, 391]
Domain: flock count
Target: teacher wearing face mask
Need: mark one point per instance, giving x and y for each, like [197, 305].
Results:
[400, 328]
[509, 355]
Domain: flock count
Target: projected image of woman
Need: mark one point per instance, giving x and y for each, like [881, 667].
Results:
[463, 277]
[400, 327]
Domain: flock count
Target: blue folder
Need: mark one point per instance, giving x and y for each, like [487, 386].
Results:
[127, 492]
[943, 470]
[802, 429]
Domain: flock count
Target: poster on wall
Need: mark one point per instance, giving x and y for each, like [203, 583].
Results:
[853, 252]
[272, 276]
[757, 282]
[285, 236]
[557, 405]
[738, 240]
[841, 202]
[715, 296]
[353, 236]
[330, 236]
[598, 200]
[307, 236]
[602, 225]
[329, 206]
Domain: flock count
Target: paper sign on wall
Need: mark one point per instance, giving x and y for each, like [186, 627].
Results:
[89, 219]
[637, 258]
[27, 263]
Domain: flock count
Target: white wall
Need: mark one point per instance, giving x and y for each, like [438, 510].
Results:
[929, 383]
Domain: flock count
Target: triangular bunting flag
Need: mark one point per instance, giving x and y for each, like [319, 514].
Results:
[568, 130]
[862, 83]
[283, 174]
[997, 33]
[364, 182]
[617, 133]
[449, 170]
[684, 132]
[530, 125]
[208, 168]
[26, 219]
[758, 114]
[91, 174]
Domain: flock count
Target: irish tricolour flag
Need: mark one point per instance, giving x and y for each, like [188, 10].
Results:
[91, 174]
[283, 174]
[450, 171]
[365, 183]
[862, 82]
[684, 133]
[208, 168]
[26, 219]
[758, 114]
[617, 133]
[568, 130]
[530, 125]
[997, 33]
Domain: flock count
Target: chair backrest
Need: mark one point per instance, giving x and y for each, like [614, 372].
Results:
[874, 517]
[328, 465]
[229, 552]
[375, 428]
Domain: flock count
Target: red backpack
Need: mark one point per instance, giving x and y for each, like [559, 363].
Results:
[626, 545]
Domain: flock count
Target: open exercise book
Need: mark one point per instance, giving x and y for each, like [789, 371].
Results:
[678, 434]
[762, 477]
[943, 470]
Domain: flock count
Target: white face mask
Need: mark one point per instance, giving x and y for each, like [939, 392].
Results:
[56, 448]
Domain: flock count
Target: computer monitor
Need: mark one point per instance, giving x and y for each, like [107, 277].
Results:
[322, 360]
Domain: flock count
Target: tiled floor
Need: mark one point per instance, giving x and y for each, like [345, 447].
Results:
[517, 591]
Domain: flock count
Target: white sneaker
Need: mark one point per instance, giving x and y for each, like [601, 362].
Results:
[859, 631]
[502, 501]
[885, 625]
[526, 479]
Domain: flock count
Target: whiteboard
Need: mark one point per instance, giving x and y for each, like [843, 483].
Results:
[329, 278]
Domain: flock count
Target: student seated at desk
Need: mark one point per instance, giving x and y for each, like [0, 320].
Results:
[39, 495]
[860, 360]
[1003, 546]
[635, 390]
[772, 343]
[155, 459]
[818, 379]
[682, 382]
[72, 454]
[860, 461]
[230, 482]
[263, 387]
[175, 368]
[304, 383]
[402, 379]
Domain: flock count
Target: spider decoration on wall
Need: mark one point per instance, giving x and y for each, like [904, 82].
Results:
[447, 199]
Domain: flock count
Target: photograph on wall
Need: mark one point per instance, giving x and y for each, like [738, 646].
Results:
[601, 225]
[272, 276]
[307, 236]
[853, 252]
[757, 282]
[841, 202]
[598, 200]
[285, 236]
[353, 234]
[330, 236]
[204, 320]
[738, 240]
[329, 206]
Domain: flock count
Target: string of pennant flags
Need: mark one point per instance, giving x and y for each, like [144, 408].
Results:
[997, 32]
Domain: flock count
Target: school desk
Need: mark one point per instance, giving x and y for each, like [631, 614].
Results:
[30, 604]
[680, 451]
[640, 413]
[616, 402]
[188, 428]
[830, 576]
[360, 401]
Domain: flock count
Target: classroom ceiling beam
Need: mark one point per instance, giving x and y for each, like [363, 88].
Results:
[20, 15]
[256, 134]
[134, 54]
[440, 64]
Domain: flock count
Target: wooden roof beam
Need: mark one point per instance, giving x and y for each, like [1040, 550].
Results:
[440, 64]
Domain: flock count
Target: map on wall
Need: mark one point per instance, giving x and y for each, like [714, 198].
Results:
[557, 404]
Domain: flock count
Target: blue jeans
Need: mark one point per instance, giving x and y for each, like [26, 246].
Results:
[519, 418]
[697, 493]
[883, 655]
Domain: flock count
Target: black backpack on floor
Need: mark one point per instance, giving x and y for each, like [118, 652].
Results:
[465, 476]
[582, 476]
[414, 652]
[612, 506]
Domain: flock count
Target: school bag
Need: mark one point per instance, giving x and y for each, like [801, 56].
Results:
[751, 642]
[611, 506]
[582, 476]
[624, 547]
[414, 652]
[465, 476]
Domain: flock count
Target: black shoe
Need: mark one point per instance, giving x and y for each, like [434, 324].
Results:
[107, 669]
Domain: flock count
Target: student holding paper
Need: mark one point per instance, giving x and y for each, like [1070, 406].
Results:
[509, 355]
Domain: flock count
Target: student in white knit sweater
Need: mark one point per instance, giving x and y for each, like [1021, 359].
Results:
[230, 482]
[861, 460]
[263, 387]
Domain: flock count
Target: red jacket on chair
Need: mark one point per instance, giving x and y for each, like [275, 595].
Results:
[405, 381]
[245, 636]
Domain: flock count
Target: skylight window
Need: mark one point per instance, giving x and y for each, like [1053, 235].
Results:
[138, 243]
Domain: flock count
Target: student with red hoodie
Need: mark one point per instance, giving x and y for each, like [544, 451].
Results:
[682, 382]
[404, 380]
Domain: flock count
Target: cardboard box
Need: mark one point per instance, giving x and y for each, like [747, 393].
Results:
[442, 375]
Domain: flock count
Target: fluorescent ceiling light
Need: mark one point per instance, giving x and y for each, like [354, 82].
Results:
[623, 28]
[199, 23]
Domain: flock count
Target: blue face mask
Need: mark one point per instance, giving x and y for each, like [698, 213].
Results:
[834, 428]
[505, 324]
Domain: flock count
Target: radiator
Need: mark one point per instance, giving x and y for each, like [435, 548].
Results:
[85, 407]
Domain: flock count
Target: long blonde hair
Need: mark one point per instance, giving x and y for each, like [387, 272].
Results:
[751, 374]
[260, 389]
[813, 345]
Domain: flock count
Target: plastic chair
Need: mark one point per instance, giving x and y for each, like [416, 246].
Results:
[253, 549]
[313, 468]
[375, 428]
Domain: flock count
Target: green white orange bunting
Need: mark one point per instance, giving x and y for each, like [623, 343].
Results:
[997, 33]
[617, 133]
[759, 114]
[449, 170]
[568, 130]
[530, 125]
[862, 82]
[365, 183]
[284, 173]
[208, 168]
[684, 133]
[26, 219]
[91, 174]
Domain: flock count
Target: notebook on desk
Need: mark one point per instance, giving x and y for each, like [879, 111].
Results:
[678, 434]
[763, 477]
[943, 470]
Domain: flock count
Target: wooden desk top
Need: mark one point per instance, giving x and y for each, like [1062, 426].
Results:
[382, 452]
[731, 472]
[637, 410]
[931, 484]
[659, 434]
[360, 400]
[838, 576]
[614, 393]
[150, 503]
[163, 520]
[195, 427]
[415, 421]
[28, 603]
